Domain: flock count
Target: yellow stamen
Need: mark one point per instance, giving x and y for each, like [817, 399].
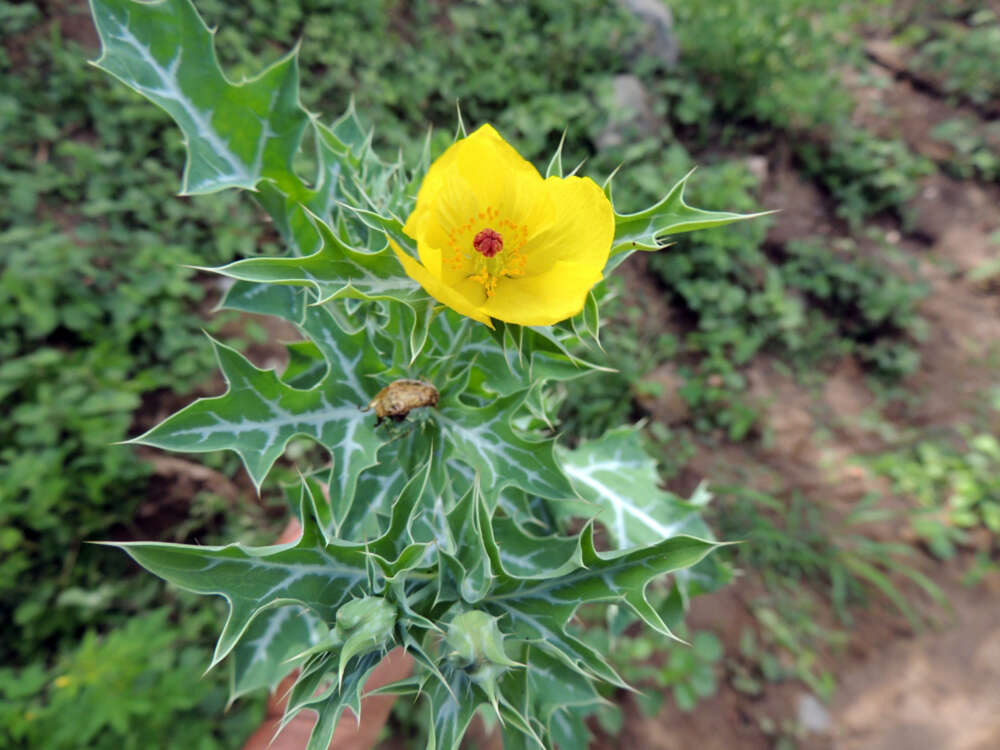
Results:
[492, 232]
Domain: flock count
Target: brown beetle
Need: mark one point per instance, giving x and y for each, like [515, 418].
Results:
[397, 398]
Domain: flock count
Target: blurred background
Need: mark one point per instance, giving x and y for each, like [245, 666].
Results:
[832, 370]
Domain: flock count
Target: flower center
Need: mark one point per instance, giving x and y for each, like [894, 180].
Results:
[488, 243]
[494, 258]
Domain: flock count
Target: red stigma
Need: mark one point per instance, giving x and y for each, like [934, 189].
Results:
[488, 243]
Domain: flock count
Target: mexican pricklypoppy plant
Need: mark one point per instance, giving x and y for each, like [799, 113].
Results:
[437, 524]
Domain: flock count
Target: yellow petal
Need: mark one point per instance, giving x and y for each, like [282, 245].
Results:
[583, 229]
[490, 173]
[499, 177]
[562, 228]
[440, 291]
[546, 298]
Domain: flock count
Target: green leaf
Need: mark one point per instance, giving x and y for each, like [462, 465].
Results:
[306, 365]
[568, 728]
[526, 555]
[484, 439]
[379, 487]
[236, 134]
[259, 414]
[309, 572]
[619, 479]
[336, 270]
[539, 607]
[266, 652]
[646, 230]
[465, 568]
[452, 706]
[553, 685]
[555, 167]
[331, 702]
[286, 302]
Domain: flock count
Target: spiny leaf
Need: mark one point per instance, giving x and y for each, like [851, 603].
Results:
[307, 572]
[286, 302]
[540, 606]
[554, 687]
[335, 270]
[266, 651]
[237, 134]
[331, 702]
[452, 706]
[484, 439]
[619, 479]
[568, 728]
[259, 414]
[306, 365]
[646, 230]
[465, 568]
[526, 555]
[555, 167]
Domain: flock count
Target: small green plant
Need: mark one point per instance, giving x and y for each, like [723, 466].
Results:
[960, 57]
[956, 486]
[687, 671]
[141, 685]
[786, 644]
[684, 671]
[794, 542]
[976, 147]
[591, 406]
[95, 311]
[866, 174]
[813, 302]
[773, 62]
[865, 304]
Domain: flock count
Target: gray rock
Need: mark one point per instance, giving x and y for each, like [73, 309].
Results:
[659, 22]
[758, 167]
[812, 715]
[632, 115]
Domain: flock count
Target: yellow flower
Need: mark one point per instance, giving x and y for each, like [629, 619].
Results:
[496, 240]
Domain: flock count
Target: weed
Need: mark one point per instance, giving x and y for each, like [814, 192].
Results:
[860, 301]
[773, 62]
[795, 543]
[788, 648]
[139, 686]
[687, 670]
[960, 55]
[593, 405]
[975, 148]
[955, 483]
[865, 174]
